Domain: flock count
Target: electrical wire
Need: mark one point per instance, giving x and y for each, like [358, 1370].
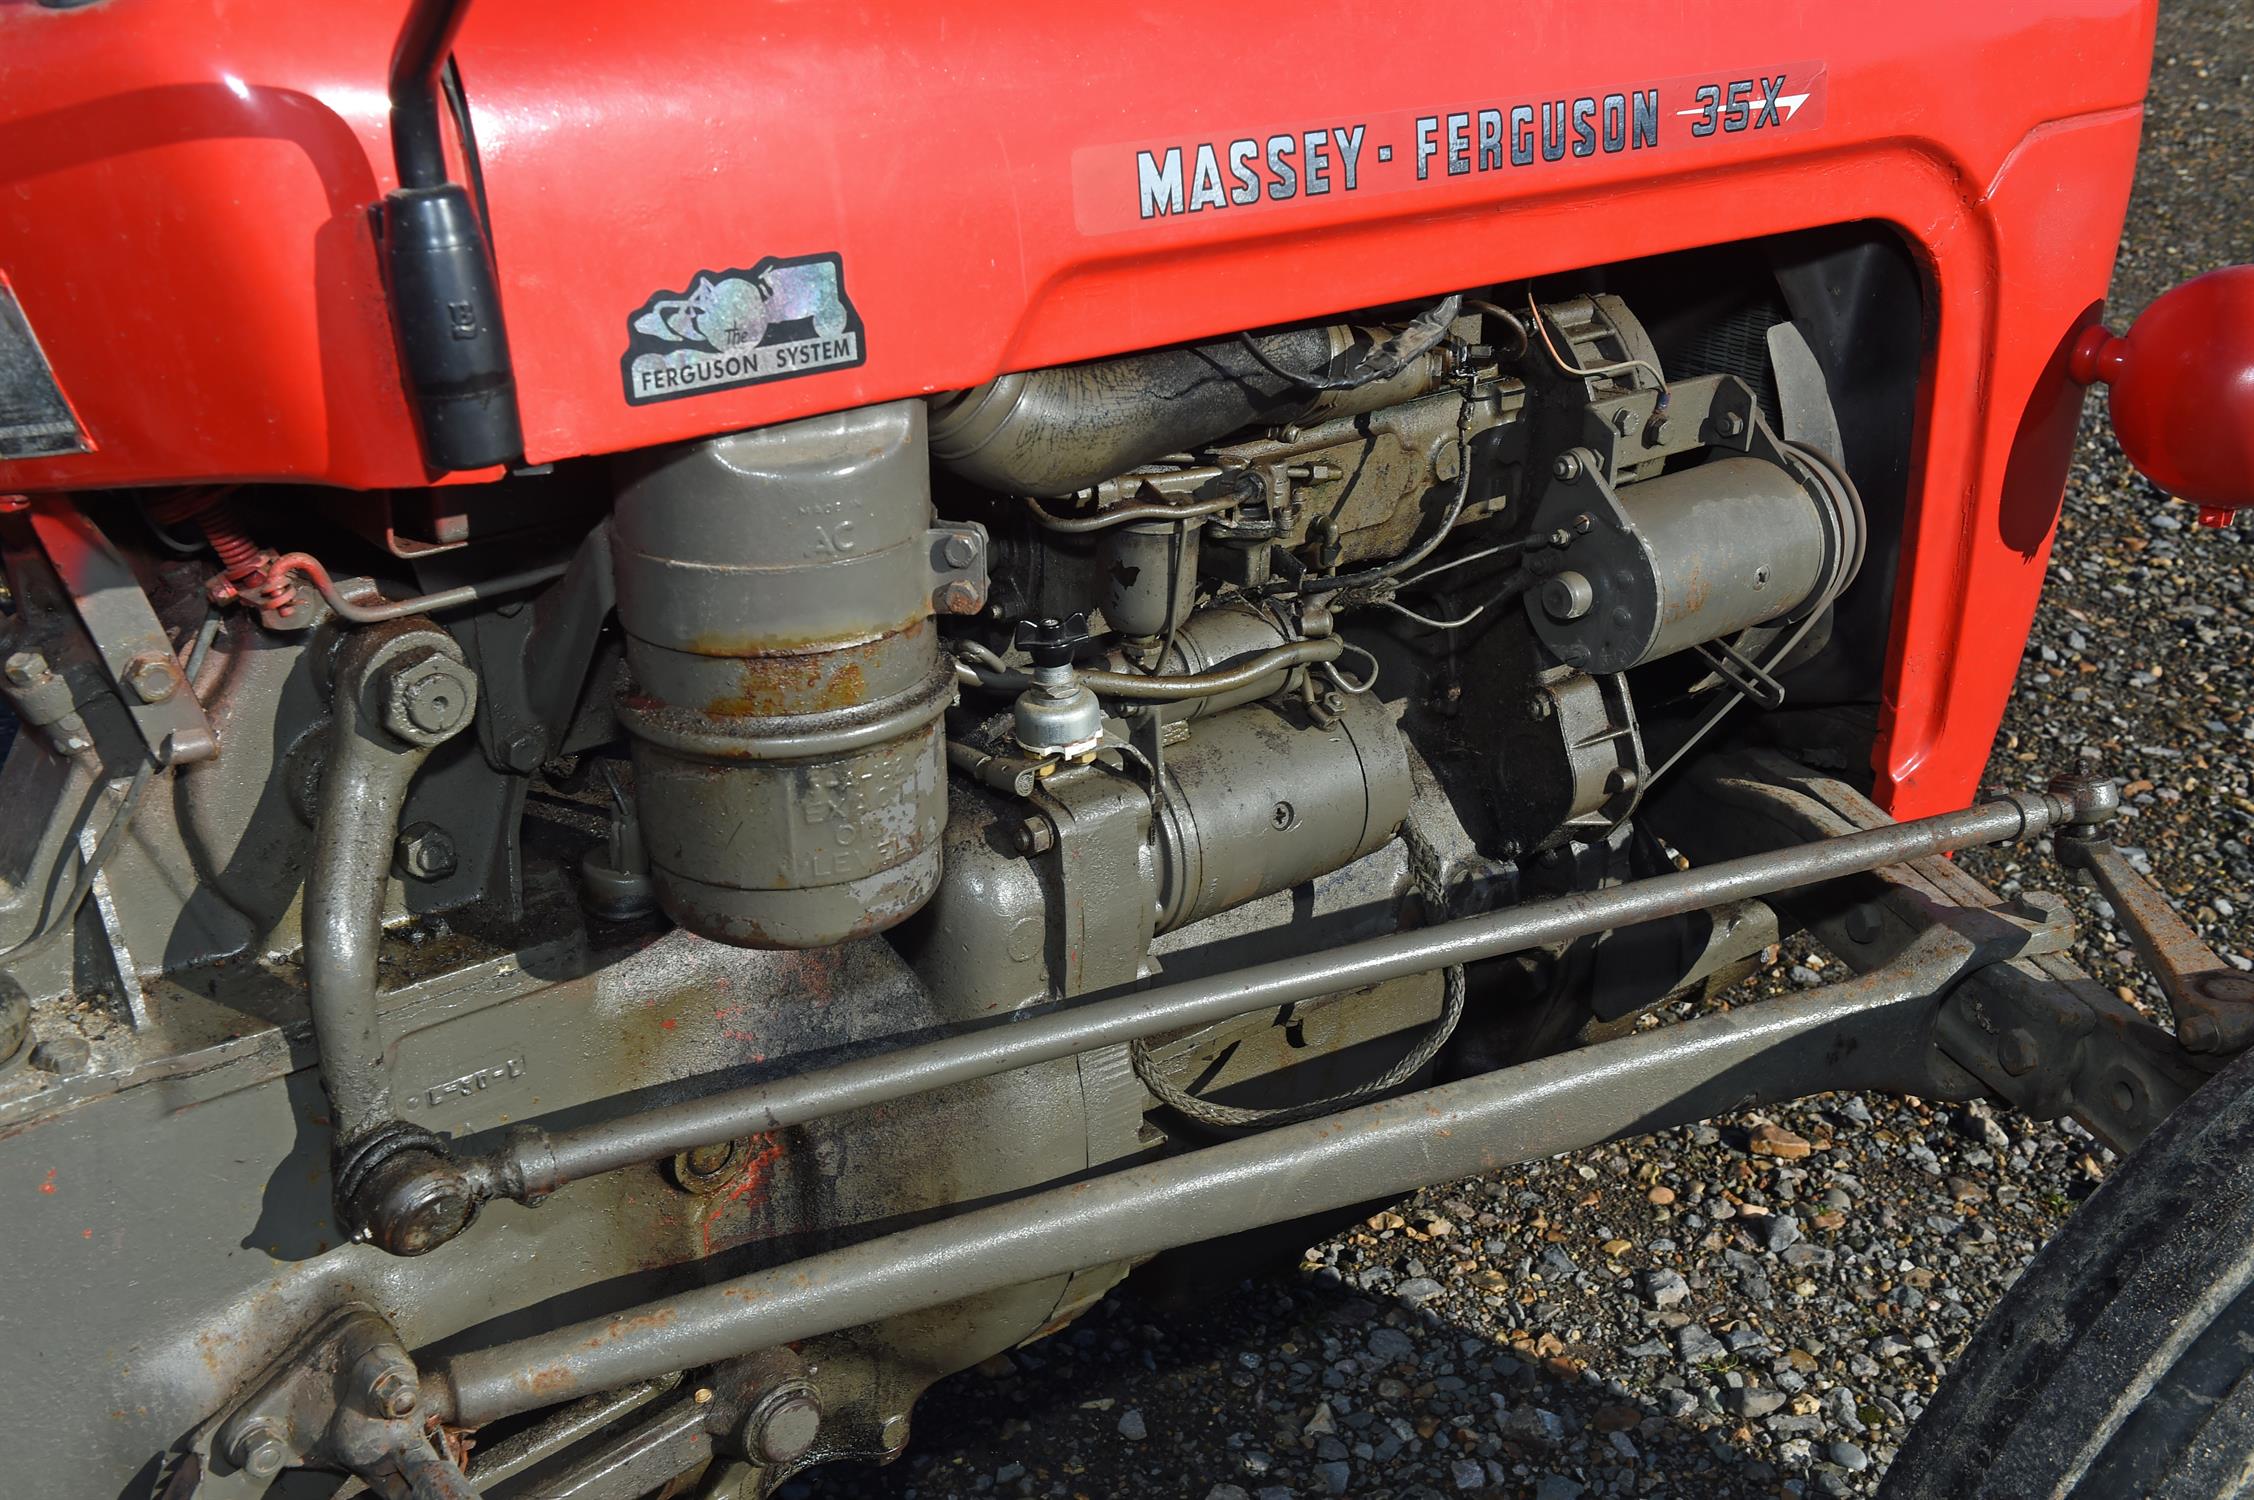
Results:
[1509, 320]
[1384, 361]
[1468, 558]
[1407, 613]
[1410, 559]
[1339, 680]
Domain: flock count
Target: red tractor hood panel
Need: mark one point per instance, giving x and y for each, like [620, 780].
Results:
[712, 215]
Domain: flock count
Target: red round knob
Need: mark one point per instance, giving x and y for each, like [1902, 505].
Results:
[2181, 389]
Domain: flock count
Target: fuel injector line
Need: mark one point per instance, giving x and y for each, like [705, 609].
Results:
[531, 1163]
[1174, 686]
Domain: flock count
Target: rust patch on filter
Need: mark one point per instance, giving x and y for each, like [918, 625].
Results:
[775, 686]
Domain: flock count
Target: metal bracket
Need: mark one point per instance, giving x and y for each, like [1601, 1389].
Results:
[126, 634]
[1742, 673]
[2214, 1003]
[346, 1396]
[958, 567]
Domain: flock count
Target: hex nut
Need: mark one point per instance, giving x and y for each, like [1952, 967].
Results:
[1036, 835]
[428, 697]
[1567, 467]
[523, 751]
[23, 669]
[153, 676]
[258, 1449]
[1729, 424]
[426, 851]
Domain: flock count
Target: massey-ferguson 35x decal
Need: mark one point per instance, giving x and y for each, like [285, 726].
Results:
[1137, 184]
[781, 318]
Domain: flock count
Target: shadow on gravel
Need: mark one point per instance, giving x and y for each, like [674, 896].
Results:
[1292, 1383]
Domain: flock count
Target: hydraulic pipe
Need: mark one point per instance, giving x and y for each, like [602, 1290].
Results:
[1859, 1034]
[533, 1163]
[400, 692]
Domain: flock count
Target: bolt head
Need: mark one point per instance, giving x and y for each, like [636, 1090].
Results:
[707, 1160]
[960, 597]
[960, 549]
[785, 1426]
[1626, 420]
[23, 669]
[394, 1392]
[259, 1450]
[154, 678]
[428, 698]
[426, 851]
[523, 751]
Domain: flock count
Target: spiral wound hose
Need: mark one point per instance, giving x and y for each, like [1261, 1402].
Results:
[246, 569]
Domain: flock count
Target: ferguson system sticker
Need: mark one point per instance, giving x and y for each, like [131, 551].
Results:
[779, 319]
[1149, 182]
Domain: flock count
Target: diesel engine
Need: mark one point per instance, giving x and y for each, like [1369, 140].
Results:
[483, 897]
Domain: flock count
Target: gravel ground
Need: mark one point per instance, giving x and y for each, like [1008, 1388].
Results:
[1763, 1304]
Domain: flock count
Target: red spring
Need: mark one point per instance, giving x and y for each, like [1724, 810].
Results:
[246, 566]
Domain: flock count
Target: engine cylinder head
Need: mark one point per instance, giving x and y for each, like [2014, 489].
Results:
[784, 681]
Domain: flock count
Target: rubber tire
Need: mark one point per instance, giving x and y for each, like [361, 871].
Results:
[2122, 1362]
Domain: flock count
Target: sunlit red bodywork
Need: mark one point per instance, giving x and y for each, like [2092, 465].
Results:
[185, 192]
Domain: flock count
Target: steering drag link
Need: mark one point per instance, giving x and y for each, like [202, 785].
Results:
[429, 1196]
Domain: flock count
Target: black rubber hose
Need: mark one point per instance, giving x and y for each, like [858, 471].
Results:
[425, 41]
